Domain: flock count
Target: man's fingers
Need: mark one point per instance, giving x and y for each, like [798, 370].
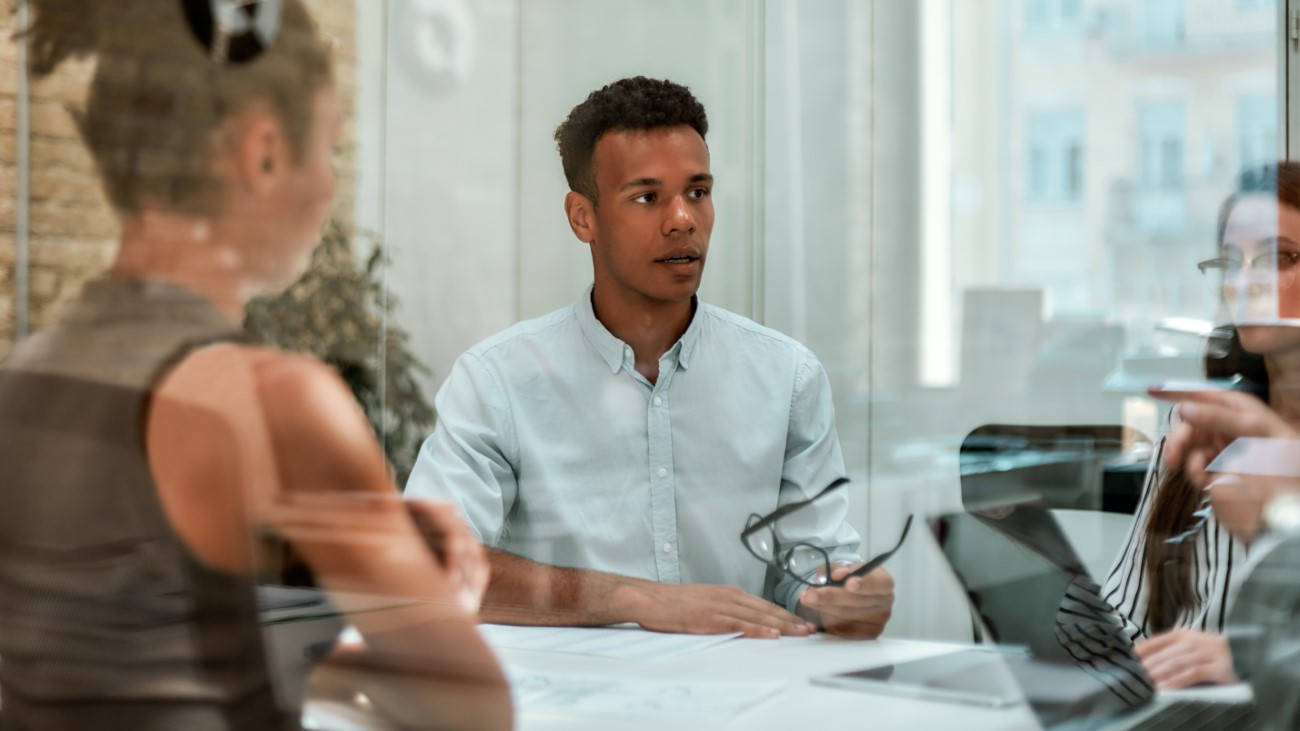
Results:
[856, 629]
[752, 630]
[840, 570]
[780, 620]
[750, 623]
[832, 598]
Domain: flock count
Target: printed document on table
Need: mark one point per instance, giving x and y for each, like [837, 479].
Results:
[628, 643]
[564, 693]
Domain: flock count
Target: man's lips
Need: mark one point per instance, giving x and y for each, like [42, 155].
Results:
[681, 255]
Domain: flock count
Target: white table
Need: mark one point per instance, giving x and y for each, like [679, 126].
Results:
[790, 661]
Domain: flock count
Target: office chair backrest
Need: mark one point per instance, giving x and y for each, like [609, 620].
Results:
[1076, 467]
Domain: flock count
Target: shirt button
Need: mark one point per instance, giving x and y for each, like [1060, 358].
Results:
[668, 548]
[627, 352]
[659, 401]
[662, 472]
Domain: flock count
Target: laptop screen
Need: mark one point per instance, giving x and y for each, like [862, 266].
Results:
[1027, 588]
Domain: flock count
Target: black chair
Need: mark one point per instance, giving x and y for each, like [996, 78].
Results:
[1075, 467]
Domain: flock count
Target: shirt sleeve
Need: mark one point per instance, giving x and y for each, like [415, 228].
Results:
[470, 458]
[813, 460]
[1126, 584]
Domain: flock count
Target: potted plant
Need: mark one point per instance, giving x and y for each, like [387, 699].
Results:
[342, 313]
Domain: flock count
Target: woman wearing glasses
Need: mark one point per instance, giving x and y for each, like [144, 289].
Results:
[145, 445]
[1173, 581]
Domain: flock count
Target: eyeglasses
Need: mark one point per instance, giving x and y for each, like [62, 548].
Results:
[1282, 262]
[806, 563]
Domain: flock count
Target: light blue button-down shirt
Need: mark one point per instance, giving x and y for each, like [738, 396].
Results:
[557, 449]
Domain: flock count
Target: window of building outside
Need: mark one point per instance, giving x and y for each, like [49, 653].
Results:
[1161, 21]
[1256, 121]
[1056, 156]
[1045, 16]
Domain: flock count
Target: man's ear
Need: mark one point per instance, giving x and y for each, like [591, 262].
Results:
[261, 151]
[581, 212]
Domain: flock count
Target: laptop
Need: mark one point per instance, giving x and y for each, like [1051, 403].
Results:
[1028, 589]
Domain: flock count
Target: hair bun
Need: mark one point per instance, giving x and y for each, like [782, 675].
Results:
[234, 31]
[64, 29]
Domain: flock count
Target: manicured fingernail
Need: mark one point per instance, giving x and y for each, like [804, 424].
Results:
[810, 627]
[854, 584]
[1188, 411]
[810, 599]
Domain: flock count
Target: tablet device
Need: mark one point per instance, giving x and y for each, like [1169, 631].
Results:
[976, 677]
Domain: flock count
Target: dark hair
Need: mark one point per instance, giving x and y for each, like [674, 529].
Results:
[637, 103]
[1169, 566]
[157, 102]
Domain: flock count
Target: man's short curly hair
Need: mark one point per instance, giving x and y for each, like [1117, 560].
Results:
[637, 103]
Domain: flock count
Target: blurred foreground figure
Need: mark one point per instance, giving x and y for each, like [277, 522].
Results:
[150, 454]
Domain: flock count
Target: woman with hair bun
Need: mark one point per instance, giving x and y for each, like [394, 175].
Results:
[150, 450]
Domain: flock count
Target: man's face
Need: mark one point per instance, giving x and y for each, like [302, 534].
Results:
[655, 213]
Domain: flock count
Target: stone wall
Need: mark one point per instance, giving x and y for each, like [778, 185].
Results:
[73, 231]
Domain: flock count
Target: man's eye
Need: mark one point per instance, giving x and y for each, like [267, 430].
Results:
[644, 198]
[698, 193]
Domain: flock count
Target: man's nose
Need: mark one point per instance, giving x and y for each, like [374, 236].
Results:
[679, 219]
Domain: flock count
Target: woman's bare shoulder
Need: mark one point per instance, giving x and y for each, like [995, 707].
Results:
[300, 406]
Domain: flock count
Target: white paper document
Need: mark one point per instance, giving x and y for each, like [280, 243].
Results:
[628, 643]
[564, 693]
[1259, 456]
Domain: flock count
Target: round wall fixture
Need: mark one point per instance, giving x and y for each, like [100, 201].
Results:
[435, 42]
[234, 31]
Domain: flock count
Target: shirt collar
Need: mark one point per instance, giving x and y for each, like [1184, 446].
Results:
[614, 351]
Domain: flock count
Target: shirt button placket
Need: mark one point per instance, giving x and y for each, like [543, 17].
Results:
[663, 499]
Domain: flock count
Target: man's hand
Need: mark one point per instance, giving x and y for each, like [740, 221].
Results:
[456, 549]
[1185, 657]
[711, 609]
[859, 609]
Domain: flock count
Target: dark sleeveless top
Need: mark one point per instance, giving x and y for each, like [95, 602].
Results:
[107, 621]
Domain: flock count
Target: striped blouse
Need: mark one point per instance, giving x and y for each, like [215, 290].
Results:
[1216, 557]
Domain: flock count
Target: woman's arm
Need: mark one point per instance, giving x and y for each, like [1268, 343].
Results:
[246, 440]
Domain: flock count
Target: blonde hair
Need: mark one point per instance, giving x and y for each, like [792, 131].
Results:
[157, 103]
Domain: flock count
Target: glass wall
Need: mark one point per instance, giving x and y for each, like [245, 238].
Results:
[984, 217]
[975, 212]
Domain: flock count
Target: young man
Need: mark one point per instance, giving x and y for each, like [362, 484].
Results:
[610, 454]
